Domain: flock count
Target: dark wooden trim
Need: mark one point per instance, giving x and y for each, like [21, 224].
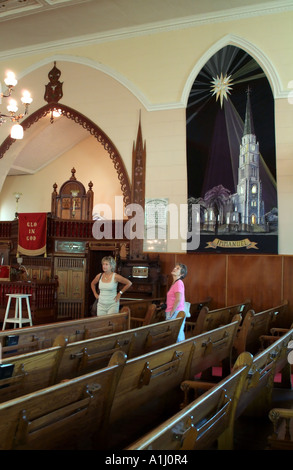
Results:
[89, 126]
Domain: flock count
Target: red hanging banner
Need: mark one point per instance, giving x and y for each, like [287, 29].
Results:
[32, 233]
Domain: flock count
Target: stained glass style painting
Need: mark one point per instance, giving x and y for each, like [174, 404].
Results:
[231, 156]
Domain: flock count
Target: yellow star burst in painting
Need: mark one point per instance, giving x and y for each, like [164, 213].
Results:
[221, 86]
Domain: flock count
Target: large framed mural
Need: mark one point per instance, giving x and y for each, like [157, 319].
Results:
[231, 155]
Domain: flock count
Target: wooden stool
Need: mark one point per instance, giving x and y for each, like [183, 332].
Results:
[17, 319]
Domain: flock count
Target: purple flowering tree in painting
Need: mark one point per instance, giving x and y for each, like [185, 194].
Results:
[216, 199]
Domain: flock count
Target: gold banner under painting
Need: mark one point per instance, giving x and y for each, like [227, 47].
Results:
[245, 243]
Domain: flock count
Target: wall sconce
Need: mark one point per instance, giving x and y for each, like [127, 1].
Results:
[17, 197]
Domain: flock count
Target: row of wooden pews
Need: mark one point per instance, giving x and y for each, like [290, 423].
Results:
[254, 327]
[132, 315]
[38, 369]
[106, 398]
[115, 398]
[210, 418]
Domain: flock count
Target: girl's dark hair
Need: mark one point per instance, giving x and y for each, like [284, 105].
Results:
[183, 270]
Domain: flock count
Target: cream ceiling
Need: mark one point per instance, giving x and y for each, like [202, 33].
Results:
[40, 23]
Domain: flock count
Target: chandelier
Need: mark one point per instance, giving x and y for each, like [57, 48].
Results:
[16, 130]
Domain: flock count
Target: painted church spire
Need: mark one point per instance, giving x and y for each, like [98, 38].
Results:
[248, 124]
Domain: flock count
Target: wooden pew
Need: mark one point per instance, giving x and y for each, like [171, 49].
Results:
[144, 312]
[205, 420]
[33, 371]
[256, 398]
[43, 336]
[257, 325]
[196, 307]
[69, 415]
[149, 387]
[211, 319]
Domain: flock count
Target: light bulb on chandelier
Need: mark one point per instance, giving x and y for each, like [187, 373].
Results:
[16, 130]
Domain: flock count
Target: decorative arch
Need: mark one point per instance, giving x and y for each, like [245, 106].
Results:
[252, 50]
[89, 126]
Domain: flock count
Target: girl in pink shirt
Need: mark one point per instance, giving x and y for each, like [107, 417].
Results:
[176, 296]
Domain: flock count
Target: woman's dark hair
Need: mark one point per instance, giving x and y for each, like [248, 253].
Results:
[183, 270]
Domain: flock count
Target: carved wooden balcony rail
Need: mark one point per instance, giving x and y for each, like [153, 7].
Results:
[66, 228]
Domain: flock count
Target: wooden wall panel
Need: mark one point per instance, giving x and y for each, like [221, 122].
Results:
[206, 276]
[230, 279]
[256, 277]
[167, 261]
[288, 283]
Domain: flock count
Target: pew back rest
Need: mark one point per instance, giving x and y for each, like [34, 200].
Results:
[40, 337]
[211, 319]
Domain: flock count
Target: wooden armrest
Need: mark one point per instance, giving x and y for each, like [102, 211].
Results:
[137, 319]
[268, 338]
[281, 418]
[194, 385]
[279, 413]
[278, 331]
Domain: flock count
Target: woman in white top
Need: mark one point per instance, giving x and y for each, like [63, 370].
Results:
[108, 298]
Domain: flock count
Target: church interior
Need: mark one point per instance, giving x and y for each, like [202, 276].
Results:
[157, 133]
